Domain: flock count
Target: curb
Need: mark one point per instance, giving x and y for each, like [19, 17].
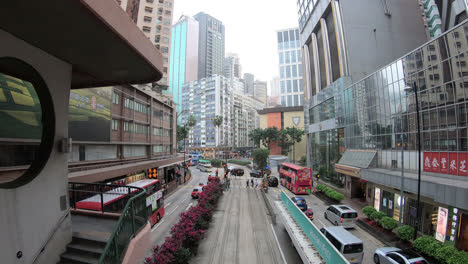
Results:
[269, 207]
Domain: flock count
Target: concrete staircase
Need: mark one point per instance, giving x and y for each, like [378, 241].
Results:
[83, 249]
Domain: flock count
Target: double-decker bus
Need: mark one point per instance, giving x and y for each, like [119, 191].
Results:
[114, 200]
[296, 178]
[194, 158]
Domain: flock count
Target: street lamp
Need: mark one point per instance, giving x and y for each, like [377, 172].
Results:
[414, 90]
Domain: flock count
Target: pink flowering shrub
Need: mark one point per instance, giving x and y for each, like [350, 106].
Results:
[188, 232]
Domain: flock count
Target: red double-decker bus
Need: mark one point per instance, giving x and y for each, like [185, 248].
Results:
[296, 178]
[115, 199]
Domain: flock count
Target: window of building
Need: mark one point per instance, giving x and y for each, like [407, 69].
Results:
[167, 12]
[115, 124]
[283, 100]
[148, 9]
[149, 1]
[283, 86]
[169, 4]
[165, 40]
[294, 70]
[115, 98]
[290, 100]
[293, 56]
[295, 86]
[281, 57]
[166, 30]
[146, 29]
[282, 72]
[296, 100]
[164, 49]
[289, 85]
[147, 19]
[167, 21]
[288, 71]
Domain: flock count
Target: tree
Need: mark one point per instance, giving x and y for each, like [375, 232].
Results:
[270, 134]
[284, 140]
[256, 136]
[260, 157]
[295, 135]
[217, 121]
[182, 132]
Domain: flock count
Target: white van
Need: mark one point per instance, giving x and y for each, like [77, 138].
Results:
[341, 215]
[346, 243]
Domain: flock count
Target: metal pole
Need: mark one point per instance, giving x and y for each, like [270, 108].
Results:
[418, 214]
[402, 179]
[184, 161]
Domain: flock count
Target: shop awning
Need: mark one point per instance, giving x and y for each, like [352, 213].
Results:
[353, 161]
[97, 37]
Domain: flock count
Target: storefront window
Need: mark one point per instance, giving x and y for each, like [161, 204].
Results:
[377, 199]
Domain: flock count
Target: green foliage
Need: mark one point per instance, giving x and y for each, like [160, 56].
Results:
[331, 193]
[376, 216]
[444, 253]
[388, 223]
[182, 132]
[323, 171]
[405, 232]
[260, 157]
[460, 257]
[270, 134]
[256, 136]
[191, 121]
[295, 134]
[217, 163]
[368, 210]
[303, 160]
[421, 242]
[217, 121]
[239, 162]
[428, 245]
[182, 255]
[284, 140]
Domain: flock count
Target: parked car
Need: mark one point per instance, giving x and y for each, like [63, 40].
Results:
[197, 191]
[256, 173]
[273, 181]
[300, 202]
[393, 255]
[310, 214]
[237, 172]
[204, 169]
[341, 215]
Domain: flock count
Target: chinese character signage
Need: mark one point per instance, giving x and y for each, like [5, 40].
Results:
[89, 114]
[449, 163]
[452, 224]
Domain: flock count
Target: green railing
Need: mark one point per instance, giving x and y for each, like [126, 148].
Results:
[133, 218]
[326, 250]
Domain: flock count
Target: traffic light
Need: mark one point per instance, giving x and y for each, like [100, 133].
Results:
[317, 176]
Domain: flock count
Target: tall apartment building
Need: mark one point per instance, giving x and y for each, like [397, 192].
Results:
[184, 57]
[154, 18]
[290, 67]
[232, 66]
[360, 108]
[244, 118]
[205, 99]
[260, 91]
[211, 45]
[249, 80]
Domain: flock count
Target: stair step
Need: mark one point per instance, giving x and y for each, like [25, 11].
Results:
[81, 238]
[85, 248]
[74, 258]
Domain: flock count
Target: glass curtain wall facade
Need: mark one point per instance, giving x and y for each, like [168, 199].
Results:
[290, 67]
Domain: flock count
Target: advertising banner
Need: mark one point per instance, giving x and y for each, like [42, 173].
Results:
[89, 114]
[462, 164]
[444, 162]
[435, 164]
[427, 161]
[441, 224]
[453, 166]
[450, 163]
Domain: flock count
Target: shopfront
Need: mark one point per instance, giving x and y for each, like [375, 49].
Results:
[350, 166]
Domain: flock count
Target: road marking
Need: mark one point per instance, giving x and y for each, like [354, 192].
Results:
[190, 204]
[321, 222]
[173, 210]
[167, 205]
[277, 242]
[154, 228]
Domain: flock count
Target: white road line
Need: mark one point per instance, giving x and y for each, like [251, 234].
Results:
[173, 210]
[277, 242]
[154, 228]
[321, 222]
[190, 204]
[184, 200]
[167, 205]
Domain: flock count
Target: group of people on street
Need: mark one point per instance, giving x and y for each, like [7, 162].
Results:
[252, 183]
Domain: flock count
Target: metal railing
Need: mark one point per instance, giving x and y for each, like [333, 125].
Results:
[132, 209]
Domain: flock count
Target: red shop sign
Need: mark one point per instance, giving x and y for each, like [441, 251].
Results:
[453, 163]
[427, 161]
[462, 164]
[442, 162]
[435, 163]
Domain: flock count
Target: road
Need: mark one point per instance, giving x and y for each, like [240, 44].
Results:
[319, 207]
[250, 223]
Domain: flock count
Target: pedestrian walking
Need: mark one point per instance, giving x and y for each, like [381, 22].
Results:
[247, 183]
[256, 184]
[251, 182]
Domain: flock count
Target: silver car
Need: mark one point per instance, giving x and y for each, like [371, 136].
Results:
[391, 255]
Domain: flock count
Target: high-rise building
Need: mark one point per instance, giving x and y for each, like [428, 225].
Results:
[205, 99]
[274, 87]
[184, 57]
[249, 83]
[154, 18]
[232, 66]
[290, 67]
[260, 91]
[244, 118]
[211, 45]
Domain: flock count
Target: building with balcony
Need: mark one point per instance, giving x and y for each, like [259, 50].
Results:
[244, 118]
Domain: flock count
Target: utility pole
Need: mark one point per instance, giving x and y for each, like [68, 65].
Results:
[402, 180]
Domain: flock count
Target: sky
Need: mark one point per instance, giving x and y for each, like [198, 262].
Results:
[250, 26]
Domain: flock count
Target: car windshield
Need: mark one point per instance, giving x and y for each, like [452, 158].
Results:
[196, 190]
[349, 215]
[300, 201]
[352, 248]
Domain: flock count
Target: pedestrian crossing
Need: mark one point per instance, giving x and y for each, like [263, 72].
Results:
[238, 185]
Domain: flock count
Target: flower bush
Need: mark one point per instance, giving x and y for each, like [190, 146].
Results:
[368, 210]
[187, 233]
[444, 254]
[331, 193]
[405, 232]
[376, 216]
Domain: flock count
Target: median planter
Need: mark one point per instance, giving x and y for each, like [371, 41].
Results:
[328, 195]
[186, 235]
